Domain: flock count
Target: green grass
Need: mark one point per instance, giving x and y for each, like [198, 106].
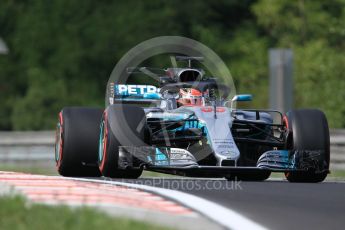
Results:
[334, 175]
[337, 174]
[51, 171]
[34, 169]
[15, 214]
[156, 174]
[277, 175]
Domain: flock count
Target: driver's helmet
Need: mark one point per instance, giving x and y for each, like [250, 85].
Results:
[190, 97]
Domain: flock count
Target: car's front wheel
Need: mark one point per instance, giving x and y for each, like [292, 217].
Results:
[308, 130]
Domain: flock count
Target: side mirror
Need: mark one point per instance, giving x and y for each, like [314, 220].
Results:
[242, 97]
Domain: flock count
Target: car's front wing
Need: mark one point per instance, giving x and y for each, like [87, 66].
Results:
[181, 162]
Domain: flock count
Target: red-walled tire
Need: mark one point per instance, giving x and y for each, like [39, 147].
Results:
[112, 128]
[308, 130]
[76, 145]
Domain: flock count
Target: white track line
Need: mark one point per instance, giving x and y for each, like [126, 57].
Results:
[221, 215]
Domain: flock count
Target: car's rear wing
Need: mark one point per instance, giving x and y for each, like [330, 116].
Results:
[146, 70]
[189, 59]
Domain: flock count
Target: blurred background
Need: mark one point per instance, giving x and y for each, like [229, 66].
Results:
[58, 53]
[61, 53]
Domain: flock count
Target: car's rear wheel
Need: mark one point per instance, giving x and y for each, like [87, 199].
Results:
[76, 142]
[121, 125]
[308, 130]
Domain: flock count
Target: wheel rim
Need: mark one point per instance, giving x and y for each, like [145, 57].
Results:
[103, 138]
[101, 143]
[59, 141]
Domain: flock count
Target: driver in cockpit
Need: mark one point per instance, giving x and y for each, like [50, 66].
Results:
[190, 97]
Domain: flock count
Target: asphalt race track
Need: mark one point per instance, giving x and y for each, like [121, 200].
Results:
[273, 204]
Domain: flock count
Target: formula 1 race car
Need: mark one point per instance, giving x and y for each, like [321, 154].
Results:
[187, 126]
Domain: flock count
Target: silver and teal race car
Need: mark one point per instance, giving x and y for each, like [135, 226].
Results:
[186, 125]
